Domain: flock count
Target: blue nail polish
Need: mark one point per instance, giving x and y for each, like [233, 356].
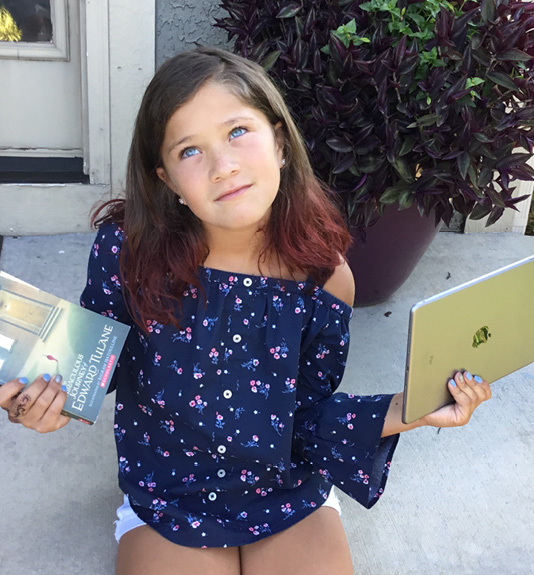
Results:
[58, 378]
[478, 379]
[63, 387]
[468, 376]
[23, 380]
[452, 382]
[46, 377]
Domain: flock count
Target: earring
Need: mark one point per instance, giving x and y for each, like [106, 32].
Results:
[181, 201]
[283, 162]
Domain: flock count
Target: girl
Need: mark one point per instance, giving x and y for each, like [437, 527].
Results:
[226, 258]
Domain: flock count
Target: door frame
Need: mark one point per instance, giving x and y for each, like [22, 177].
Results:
[118, 61]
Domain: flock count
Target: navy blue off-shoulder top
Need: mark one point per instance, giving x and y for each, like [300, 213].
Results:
[228, 429]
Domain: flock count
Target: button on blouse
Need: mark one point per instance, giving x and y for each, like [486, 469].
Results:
[228, 428]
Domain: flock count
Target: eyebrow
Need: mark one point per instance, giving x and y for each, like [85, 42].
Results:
[228, 122]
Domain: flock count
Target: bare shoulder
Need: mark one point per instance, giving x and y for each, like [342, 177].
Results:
[341, 283]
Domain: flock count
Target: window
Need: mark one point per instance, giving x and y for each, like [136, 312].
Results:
[34, 29]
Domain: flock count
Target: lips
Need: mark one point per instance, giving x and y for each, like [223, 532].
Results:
[233, 193]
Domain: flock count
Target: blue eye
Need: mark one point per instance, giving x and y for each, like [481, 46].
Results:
[236, 132]
[188, 152]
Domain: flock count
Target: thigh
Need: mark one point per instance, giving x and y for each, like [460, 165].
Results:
[142, 550]
[316, 545]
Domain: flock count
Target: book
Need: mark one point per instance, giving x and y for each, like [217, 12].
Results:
[41, 333]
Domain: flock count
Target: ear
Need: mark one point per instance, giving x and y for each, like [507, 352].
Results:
[280, 141]
[162, 175]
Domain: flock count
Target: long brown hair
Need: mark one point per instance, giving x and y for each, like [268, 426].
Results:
[164, 241]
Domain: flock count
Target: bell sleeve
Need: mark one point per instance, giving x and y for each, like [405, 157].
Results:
[340, 433]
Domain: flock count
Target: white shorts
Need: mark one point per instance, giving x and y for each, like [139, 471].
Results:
[128, 520]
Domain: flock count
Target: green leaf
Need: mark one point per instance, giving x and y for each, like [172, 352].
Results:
[347, 34]
[407, 146]
[392, 194]
[402, 168]
[406, 199]
[472, 82]
[270, 60]
[370, 164]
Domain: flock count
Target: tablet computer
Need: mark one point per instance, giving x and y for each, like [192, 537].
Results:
[485, 326]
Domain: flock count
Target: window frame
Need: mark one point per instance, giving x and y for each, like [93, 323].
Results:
[58, 49]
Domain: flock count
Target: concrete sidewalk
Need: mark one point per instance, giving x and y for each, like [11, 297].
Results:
[460, 501]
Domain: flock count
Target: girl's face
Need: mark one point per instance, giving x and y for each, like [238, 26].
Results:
[223, 158]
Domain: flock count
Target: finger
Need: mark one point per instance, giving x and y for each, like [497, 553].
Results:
[483, 387]
[479, 387]
[30, 405]
[52, 418]
[10, 390]
[465, 391]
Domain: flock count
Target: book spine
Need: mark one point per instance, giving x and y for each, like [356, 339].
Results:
[77, 417]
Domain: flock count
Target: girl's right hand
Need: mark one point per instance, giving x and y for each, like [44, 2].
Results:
[37, 406]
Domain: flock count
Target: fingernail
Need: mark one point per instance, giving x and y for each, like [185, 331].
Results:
[58, 378]
[63, 387]
[468, 376]
[46, 377]
[460, 378]
[23, 380]
[452, 382]
[478, 379]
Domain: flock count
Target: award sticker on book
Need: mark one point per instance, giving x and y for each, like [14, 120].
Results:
[41, 333]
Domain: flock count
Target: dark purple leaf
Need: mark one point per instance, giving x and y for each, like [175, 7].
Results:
[466, 190]
[524, 172]
[513, 160]
[514, 55]
[354, 93]
[343, 165]
[488, 10]
[481, 137]
[452, 155]
[494, 197]
[485, 176]
[496, 213]
[502, 80]
[289, 10]
[339, 145]
[480, 211]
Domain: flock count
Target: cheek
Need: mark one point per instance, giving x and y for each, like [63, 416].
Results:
[180, 181]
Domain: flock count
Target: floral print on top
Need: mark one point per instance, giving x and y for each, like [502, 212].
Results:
[228, 429]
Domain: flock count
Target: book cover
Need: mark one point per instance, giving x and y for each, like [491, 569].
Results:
[41, 333]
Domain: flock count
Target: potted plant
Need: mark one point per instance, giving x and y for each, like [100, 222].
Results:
[406, 106]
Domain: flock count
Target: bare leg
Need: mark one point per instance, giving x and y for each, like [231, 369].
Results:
[143, 551]
[316, 545]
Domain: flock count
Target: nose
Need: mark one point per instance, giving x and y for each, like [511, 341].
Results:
[224, 164]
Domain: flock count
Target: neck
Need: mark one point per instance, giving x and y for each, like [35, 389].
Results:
[236, 251]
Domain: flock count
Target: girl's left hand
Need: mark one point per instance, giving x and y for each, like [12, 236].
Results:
[468, 392]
